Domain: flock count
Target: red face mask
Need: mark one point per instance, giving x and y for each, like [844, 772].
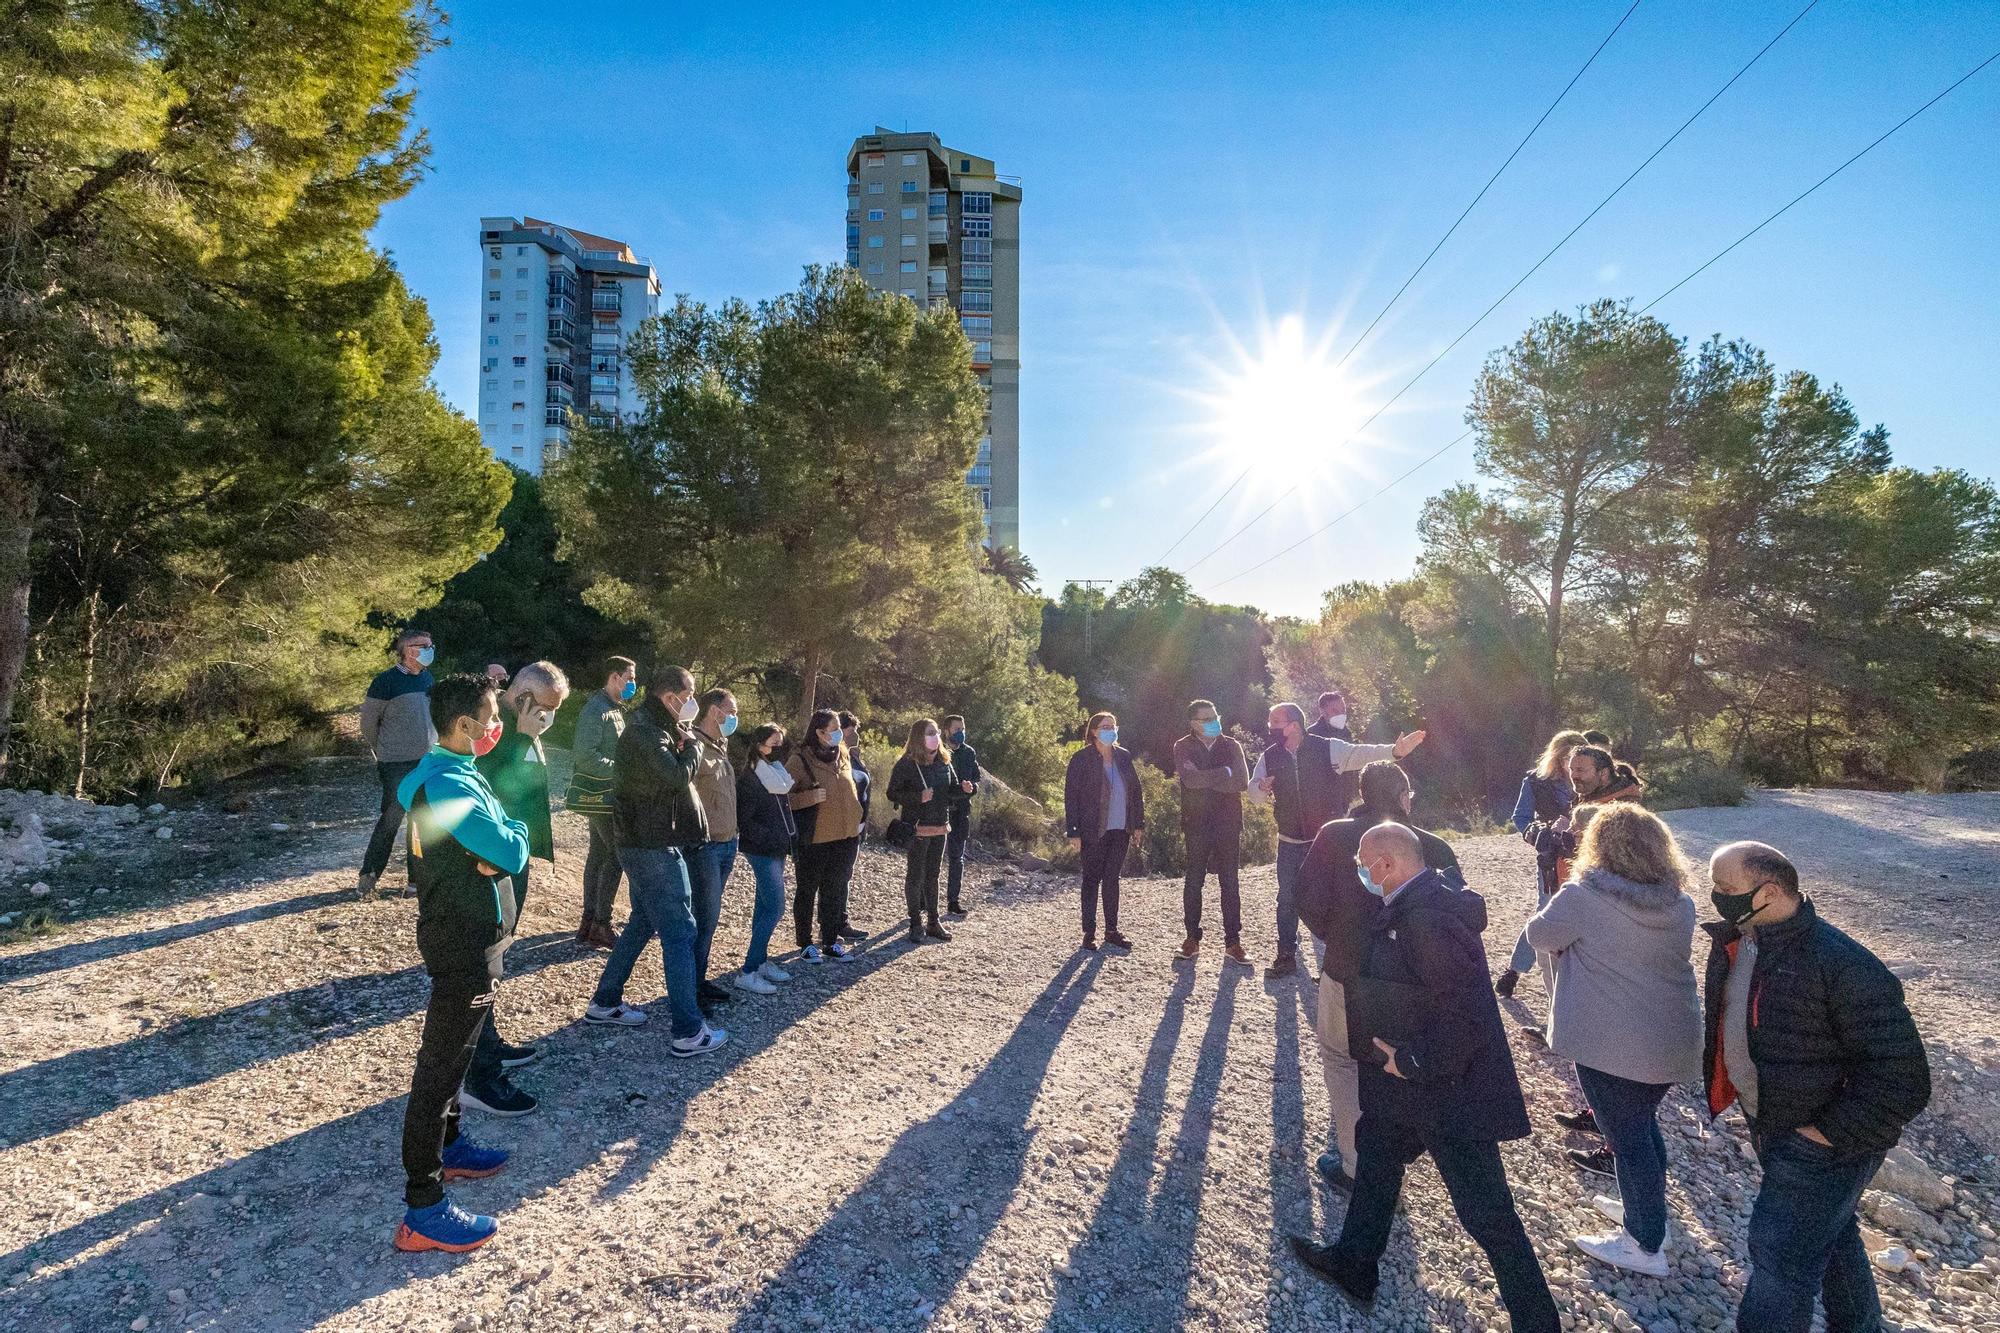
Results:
[486, 740]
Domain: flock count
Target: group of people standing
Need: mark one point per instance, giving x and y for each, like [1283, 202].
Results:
[671, 797]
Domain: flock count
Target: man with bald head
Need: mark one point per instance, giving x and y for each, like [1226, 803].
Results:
[1437, 1077]
[1808, 1031]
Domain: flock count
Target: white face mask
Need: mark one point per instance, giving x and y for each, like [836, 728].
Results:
[690, 708]
[1337, 720]
[535, 719]
[775, 779]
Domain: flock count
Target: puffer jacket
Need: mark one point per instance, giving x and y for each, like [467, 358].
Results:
[1834, 1044]
[653, 801]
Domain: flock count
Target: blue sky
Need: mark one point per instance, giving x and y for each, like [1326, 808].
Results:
[1190, 181]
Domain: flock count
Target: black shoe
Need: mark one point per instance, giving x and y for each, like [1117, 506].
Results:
[1322, 1262]
[1089, 944]
[1282, 967]
[1534, 1036]
[1505, 986]
[935, 929]
[849, 931]
[916, 935]
[710, 993]
[1583, 1122]
[1330, 1171]
[513, 1057]
[498, 1097]
[953, 909]
[1598, 1161]
[1113, 940]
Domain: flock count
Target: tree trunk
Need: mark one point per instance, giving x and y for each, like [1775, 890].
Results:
[815, 661]
[89, 684]
[18, 501]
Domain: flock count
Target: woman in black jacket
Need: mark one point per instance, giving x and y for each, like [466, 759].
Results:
[765, 833]
[1103, 809]
[920, 786]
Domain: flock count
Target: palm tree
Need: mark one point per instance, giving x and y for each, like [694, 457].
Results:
[1008, 565]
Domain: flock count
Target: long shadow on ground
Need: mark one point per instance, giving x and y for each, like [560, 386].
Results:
[1162, 1221]
[975, 1149]
[19, 967]
[310, 1237]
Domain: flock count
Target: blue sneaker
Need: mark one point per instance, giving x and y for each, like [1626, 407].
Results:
[466, 1160]
[444, 1226]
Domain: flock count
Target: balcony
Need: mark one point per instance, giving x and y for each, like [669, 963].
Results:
[561, 284]
[562, 332]
[555, 416]
[561, 307]
[940, 233]
[606, 300]
[560, 373]
[558, 395]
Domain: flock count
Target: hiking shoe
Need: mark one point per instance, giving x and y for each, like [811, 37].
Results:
[1598, 1161]
[1534, 1036]
[1190, 947]
[602, 936]
[1281, 967]
[916, 935]
[513, 1057]
[364, 885]
[1504, 987]
[1618, 1249]
[1583, 1122]
[701, 1043]
[756, 985]
[956, 910]
[811, 954]
[936, 931]
[444, 1226]
[621, 1014]
[1322, 1262]
[1333, 1173]
[710, 993]
[1089, 944]
[466, 1160]
[849, 931]
[1113, 940]
[499, 1097]
[772, 972]
[1235, 954]
[837, 952]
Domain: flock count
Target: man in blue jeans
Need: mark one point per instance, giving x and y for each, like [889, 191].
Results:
[655, 814]
[710, 862]
[1301, 775]
[1808, 1030]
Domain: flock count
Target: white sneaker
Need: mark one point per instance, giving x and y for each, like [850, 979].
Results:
[755, 984]
[701, 1043]
[772, 972]
[1615, 1210]
[622, 1014]
[1618, 1249]
[839, 952]
[811, 954]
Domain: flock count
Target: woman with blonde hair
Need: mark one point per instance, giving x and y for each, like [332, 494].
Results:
[1546, 796]
[1626, 1009]
[920, 785]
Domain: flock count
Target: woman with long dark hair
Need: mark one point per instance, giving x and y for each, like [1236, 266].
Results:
[920, 786]
[828, 811]
[765, 832]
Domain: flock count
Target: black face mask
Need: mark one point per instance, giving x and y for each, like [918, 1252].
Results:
[1735, 908]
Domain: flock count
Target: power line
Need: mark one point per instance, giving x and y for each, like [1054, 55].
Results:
[1533, 269]
[1356, 345]
[1691, 276]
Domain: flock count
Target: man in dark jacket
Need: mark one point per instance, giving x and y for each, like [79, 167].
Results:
[1341, 913]
[1809, 1031]
[1213, 775]
[1332, 725]
[966, 777]
[463, 848]
[1438, 1079]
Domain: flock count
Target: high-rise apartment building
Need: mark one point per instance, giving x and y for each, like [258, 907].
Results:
[942, 228]
[557, 306]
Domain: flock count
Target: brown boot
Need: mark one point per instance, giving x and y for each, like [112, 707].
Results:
[1236, 954]
[1191, 947]
[602, 936]
[936, 931]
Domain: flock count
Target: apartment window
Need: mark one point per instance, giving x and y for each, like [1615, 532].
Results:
[520, 317]
[493, 293]
[520, 384]
[909, 159]
[910, 213]
[976, 301]
[853, 235]
[520, 360]
[909, 187]
[909, 266]
[518, 428]
[874, 215]
[980, 202]
[492, 340]
[965, 164]
[520, 407]
[975, 250]
[976, 226]
[874, 159]
[908, 240]
[493, 317]
[521, 272]
[874, 187]
[981, 274]
[874, 242]
[982, 352]
[978, 326]
[493, 384]
[493, 250]
[492, 363]
[518, 450]
[874, 267]
[492, 272]
[910, 294]
[520, 340]
[520, 249]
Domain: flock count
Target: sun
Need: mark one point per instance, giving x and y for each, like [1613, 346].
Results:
[1284, 409]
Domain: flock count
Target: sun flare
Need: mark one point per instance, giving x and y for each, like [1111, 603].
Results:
[1285, 409]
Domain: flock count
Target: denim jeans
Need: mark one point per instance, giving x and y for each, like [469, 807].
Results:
[1524, 953]
[601, 871]
[1477, 1183]
[769, 873]
[708, 870]
[382, 840]
[1804, 1240]
[1291, 855]
[1629, 1114]
[661, 905]
[959, 821]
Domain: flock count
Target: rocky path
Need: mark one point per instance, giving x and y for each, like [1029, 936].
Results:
[201, 1086]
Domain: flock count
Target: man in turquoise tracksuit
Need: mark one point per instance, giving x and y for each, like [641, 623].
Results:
[466, 850]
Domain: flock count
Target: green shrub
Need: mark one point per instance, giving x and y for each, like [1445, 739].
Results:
[1682, 781]
[1164, 847]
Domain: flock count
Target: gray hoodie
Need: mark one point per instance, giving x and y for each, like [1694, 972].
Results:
[1626, 1002]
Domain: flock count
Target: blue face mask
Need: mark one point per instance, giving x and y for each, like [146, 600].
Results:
[1109, 735]
[1212, 728]
[630, 692]
[957, 738]
[835, 737]
[426, 655]
[1368, 881]
[729, 725]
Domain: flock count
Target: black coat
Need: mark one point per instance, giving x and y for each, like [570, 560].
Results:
[965, 768]
[652, 793]
[764, 823]
[1459, 1077]
[1327, 792]
[909, 780]
[1085, 792]
[1832, 1039]
[1331, 900]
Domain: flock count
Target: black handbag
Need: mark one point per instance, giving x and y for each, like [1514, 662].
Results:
[900, 833]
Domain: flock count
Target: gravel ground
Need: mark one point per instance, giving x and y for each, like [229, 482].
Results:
[202, 1074]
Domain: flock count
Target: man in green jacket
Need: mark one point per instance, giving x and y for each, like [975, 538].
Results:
[593, 763]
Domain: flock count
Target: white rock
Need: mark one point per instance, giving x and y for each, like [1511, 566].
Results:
[1905, 1173]
[140, 1325]
[280, 828]
[165, 832]
[156, 809]
[1892, 1260]
[39, 889]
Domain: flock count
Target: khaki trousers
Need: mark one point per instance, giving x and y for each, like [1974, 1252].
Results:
[1343, 1077]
